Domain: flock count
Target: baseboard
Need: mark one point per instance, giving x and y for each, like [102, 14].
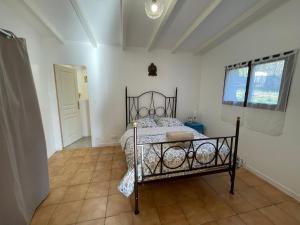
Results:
[50, 154]
[276, 184]
[99, 145]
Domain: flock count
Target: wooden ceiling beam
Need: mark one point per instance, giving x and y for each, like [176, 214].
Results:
[45, 22]
[124, 8]
[255, 12]
[159, 27]
[84, 23]
[212, 6]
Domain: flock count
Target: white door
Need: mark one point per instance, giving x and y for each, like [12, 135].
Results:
[67, 96]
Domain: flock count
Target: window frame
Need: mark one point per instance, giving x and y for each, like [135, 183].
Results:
[236, 66]
[289, 58]
[279, 105]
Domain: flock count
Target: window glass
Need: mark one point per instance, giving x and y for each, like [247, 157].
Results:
[235, 86]
[265, 83]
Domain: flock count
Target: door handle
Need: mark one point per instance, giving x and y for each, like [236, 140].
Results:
[78, 105]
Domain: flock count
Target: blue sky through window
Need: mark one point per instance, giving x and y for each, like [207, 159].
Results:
[235, 85]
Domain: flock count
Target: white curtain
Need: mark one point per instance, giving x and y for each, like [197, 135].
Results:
[263, 118]
[23, 158]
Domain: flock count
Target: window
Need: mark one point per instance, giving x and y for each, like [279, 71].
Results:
[265, 84]
[261, 83]
[235, 86]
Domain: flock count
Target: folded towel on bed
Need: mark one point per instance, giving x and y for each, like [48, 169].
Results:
[180, 136]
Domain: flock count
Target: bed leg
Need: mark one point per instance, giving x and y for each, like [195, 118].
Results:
[232, 182]
[136, 200]
[237, 131]
[136, 189]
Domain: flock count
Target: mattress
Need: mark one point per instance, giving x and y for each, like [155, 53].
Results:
[148, 155]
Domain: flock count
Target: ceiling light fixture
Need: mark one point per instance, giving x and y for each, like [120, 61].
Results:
[154, 8]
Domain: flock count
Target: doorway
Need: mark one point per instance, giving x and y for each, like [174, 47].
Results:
[73, 105]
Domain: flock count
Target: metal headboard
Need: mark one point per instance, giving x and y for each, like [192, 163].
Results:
[150, 104]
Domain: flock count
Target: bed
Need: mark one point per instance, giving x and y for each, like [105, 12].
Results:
[151, 156]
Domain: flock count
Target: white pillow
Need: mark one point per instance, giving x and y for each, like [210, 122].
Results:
[146, 122]
[169, 122]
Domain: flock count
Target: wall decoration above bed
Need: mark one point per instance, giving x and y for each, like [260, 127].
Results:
[152, 70]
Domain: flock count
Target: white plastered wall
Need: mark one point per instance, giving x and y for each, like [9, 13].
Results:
[12, 21]
[276, 158]
[110, 69]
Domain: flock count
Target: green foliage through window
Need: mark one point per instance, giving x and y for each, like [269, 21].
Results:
[261, 83]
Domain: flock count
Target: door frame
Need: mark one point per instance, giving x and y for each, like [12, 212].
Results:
[57, 100]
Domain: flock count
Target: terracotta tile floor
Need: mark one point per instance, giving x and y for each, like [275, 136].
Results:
[84, 192]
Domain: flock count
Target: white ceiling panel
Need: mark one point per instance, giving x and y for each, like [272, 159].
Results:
[139, 26]
[62, 16]
[102, 20]
[21, 11]
[183, 16]
[223, 15]
[105, 19]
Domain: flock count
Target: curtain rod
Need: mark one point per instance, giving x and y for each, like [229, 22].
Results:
[7, 33]
[263, 59]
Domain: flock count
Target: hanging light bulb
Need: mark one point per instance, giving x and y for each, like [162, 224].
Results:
[154, 8]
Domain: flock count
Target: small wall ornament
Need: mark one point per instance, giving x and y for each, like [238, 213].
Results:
[152, 70]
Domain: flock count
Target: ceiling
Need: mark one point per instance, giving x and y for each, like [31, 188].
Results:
[185, 26]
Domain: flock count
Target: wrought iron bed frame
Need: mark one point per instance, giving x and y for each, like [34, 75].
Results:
[134, 110]
[215, 165]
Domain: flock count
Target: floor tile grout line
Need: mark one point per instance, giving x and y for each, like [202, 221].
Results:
[52, 215]
[257, 210]
[186, 218]
[277, 205]
[107, 198]
[204, 180]
[279, 209]
[222, 199]
[81, 210]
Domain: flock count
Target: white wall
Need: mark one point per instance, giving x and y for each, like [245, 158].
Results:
[275, 158]
[110, 69]
[10, 20]
[82, 85]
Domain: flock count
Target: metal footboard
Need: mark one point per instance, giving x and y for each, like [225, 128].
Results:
[222, 159]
